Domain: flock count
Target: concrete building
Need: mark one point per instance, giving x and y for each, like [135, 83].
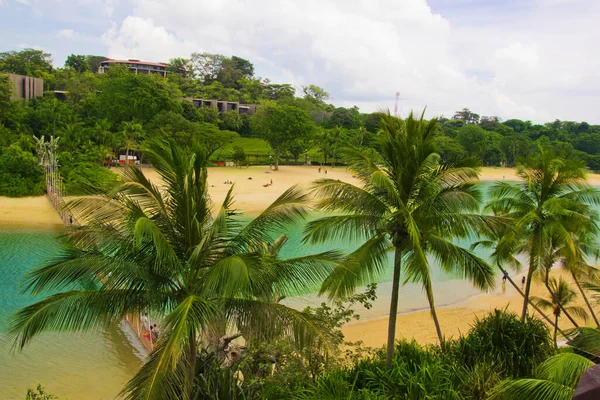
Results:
[224, 106]
[140, 67]
[26, 87]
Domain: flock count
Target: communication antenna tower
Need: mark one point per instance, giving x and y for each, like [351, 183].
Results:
[396, 106]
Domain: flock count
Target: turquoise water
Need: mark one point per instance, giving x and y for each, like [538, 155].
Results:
[97, 365]
[72, 366]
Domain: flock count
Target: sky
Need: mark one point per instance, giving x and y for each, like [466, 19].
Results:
[530, 59]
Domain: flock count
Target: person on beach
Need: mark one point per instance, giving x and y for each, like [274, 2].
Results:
[325, 171]
[70, 220]
[271, 182]
[319, 169]
[523, 280]
[145, 322]
[504, 279]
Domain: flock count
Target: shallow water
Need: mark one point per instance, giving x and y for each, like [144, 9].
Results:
[97, 366]
[89, 366]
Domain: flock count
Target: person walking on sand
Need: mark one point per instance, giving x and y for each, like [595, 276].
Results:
[145, 322]
[523, 280]
[271, 182]
[325, 171]
[319, 169]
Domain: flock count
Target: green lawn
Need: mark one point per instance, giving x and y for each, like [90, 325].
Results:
[257, 151]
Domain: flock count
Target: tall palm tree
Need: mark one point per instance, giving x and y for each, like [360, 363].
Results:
[171, 254]
[409, 202]
[560, 298]
[555, 379]
[552, 202]
[131, 131]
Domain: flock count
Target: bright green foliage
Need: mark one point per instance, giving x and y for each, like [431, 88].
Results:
[169, 253]
[239, 156]
[560, 295]
[280, 125]
[550, 209]
[77, 62]
[6, 90]
[410, 202]
[515, 347]
[28, 62]
[88, 178]
[555, 379]
[20, 174]
[39, 394]
[123, 95]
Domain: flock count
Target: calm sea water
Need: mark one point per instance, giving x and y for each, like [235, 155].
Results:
[97, 366]
[89, 366]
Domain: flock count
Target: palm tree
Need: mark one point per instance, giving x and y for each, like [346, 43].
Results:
[560, 298]
[171, 254]
[131, 131]
[410, 202]
[553, 202]
[555, 379]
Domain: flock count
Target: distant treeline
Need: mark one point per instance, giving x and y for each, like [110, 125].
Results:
[104, 115]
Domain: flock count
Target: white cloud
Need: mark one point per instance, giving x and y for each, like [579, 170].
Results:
[362, 52]
[66, 34]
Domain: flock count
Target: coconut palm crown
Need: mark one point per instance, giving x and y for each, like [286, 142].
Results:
[550, 209]
[170, 253]
[410, 202]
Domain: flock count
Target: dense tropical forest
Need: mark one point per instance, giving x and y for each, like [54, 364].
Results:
[99, 116]
[211, 278]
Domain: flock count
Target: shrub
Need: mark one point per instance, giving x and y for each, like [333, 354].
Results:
[500, 338]
[87, 178]
[20, 174]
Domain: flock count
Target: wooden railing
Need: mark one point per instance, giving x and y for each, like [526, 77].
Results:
[54, 191]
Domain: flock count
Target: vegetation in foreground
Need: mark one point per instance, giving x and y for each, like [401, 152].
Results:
[210, 279]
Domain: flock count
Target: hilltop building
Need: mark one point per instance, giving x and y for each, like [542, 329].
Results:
[139, 67]
[224, 106]
[26, 87]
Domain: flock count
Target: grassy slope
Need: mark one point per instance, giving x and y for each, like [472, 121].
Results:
[253, 147]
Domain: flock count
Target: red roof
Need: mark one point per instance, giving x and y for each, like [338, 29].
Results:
[110, 60]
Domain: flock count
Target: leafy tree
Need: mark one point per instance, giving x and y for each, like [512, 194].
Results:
[212, 138]
[180, 66]
[279, 91]
[467, 116]
[371, 121]
[168, 253]
[552, 201]
[6, 91]
[244, 66]
[20, 174]
[316, 96]
[206, 66]
[410, 202]
[123, 95]
[94, 61]
[77, 62]
[239, 155]
[561, 296]
[280, 125]
[348, 118]
[28, 61]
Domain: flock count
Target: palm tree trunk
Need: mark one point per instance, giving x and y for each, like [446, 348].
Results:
[436, 322]
[276, 165]
[575, 324]
[393, 308]
[555, 298]
[555, 328]
[536, 308]
[526, 295]
[530, 271]
[589, 306]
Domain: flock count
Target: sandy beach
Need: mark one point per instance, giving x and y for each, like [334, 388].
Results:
[251, 196]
